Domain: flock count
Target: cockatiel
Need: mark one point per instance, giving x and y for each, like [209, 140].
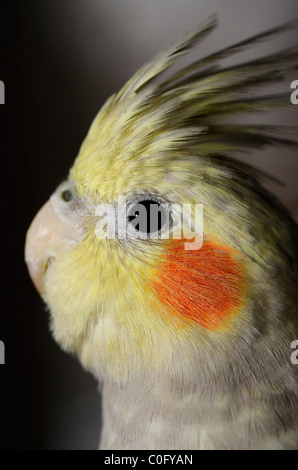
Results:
[188, 331]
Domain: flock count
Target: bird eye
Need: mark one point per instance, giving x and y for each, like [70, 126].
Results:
[147, 216]
[66, 195]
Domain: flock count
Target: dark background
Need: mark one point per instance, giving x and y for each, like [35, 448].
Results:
[60, 60]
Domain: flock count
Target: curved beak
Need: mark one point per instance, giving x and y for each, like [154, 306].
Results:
[48, 236]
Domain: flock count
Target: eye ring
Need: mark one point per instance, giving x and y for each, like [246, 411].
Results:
[66, 195]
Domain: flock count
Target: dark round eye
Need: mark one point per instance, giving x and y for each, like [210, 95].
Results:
[66, 195]
[148, 216]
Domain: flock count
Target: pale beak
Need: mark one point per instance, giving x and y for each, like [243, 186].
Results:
[48, 236]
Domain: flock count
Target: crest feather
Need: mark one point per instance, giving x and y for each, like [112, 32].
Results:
[193, 111]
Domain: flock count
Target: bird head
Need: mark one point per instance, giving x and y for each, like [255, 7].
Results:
[172, 293]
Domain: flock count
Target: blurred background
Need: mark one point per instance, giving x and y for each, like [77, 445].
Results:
[60, 60]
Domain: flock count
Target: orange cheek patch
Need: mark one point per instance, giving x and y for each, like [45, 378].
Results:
[203, 286]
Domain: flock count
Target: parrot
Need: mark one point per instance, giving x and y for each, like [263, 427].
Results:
[165, 264]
